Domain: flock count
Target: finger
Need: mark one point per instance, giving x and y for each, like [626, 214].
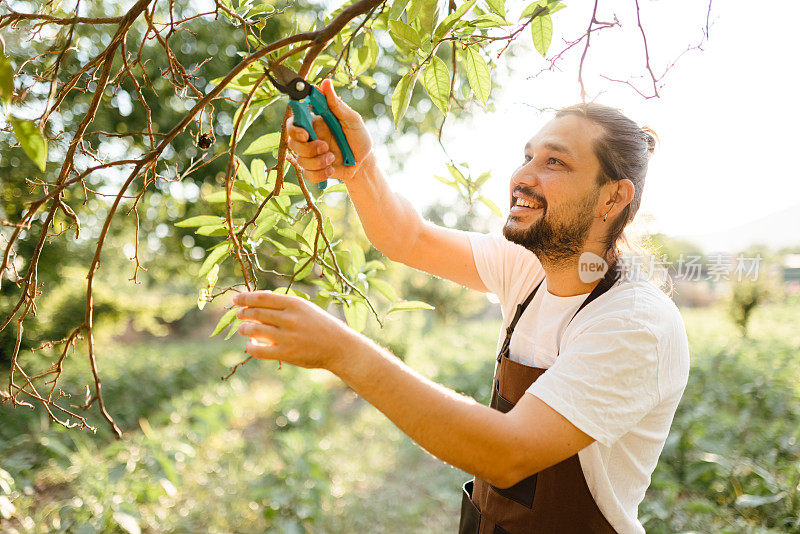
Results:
[262, 352]
[346, 115]
[295, 131]
[262, 315]
[259, 331]
[317, 163]
[307, 148]
[262, 299]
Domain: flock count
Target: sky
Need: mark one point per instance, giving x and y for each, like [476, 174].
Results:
[727, 116]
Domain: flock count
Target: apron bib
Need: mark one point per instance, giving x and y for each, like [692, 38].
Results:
[554, 500]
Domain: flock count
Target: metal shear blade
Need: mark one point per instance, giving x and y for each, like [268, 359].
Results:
[289, 82]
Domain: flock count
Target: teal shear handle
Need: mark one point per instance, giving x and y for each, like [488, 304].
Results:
[301, 110]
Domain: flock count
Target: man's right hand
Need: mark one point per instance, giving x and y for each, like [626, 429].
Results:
[390, 221]
[322, 159]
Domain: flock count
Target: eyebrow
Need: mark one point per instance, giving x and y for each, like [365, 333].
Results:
[555, 147]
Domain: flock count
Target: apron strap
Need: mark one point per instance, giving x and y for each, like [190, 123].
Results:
[510, 329]
[612, 275]
[605, 284]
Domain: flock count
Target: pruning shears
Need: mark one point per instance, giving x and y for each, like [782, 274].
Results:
[305, 98]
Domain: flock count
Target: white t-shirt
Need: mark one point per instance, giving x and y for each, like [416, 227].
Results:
[617, 372]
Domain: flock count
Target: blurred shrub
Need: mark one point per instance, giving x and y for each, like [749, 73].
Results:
[744, 298]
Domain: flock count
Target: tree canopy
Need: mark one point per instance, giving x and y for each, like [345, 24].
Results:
[144, 108]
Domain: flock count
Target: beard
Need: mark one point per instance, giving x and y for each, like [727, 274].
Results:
[556, 237]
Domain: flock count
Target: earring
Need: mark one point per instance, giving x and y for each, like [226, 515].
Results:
[605, 217]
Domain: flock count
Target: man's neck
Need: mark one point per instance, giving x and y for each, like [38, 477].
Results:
[563, 278]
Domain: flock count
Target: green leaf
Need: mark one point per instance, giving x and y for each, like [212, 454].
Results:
[310, 233]
[220, 196]
[264, 225]
[369, 81]
[280, 204]
[455, 173]
[413, 10]
[436, 80]
[408, 305]
[31, 140]
[356, 315]
[366, 55]
[288, 252]
[398, 6]
[301, 270]
[491, 205]
[242, 172]
[244, 187]
[477, 73]
[552, 7]
[327, 227]
[384, 288]
[264, 144]
[533, 9]
[258, 173]
[216, 256]
[402, 96]
[542, 32]
[406, 33]
[489, 20]
[497, 6]
[255, 110]
[234, 328]
[427, 18]
[447, 24]
[288, 188]
[288, 233]
[344, 260]
[336, 188]
[224, 321]
[212, 230]
[212, 277]
[482, 179]
[6, 78]
[203, 297]
[200, 220]
[374, 265]
[445, 180]
[357, 257]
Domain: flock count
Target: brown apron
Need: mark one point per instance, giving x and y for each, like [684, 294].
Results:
[554, 500]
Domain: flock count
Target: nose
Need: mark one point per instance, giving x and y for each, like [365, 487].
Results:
[526, 174]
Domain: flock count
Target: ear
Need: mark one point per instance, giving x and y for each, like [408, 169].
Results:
[618, 194]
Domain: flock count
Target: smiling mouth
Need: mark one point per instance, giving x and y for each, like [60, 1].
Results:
[522, 205]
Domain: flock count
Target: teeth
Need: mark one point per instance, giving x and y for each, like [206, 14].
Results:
[526, 204]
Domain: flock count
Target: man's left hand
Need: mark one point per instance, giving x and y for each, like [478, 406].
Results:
[292, 330]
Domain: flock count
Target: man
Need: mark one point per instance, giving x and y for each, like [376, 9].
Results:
[589, 371]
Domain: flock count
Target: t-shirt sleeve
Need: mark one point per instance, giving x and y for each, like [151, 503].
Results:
[606, 380]
[505, 268]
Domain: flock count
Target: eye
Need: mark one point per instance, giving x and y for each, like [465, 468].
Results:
[527, 158]
[554, 161]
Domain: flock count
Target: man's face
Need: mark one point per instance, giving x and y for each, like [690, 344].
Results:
[554, 193]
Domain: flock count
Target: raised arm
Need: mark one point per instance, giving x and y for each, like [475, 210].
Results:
[391, 223]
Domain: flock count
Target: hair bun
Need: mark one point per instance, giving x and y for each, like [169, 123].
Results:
[650, 137]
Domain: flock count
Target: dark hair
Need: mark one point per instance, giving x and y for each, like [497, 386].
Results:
[623, 150]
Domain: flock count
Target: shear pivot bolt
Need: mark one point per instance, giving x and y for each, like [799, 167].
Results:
[299, 86]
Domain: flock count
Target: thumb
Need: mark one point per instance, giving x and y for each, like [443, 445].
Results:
[342, 111]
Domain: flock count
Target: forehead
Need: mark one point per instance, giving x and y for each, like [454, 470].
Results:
[571, 135]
